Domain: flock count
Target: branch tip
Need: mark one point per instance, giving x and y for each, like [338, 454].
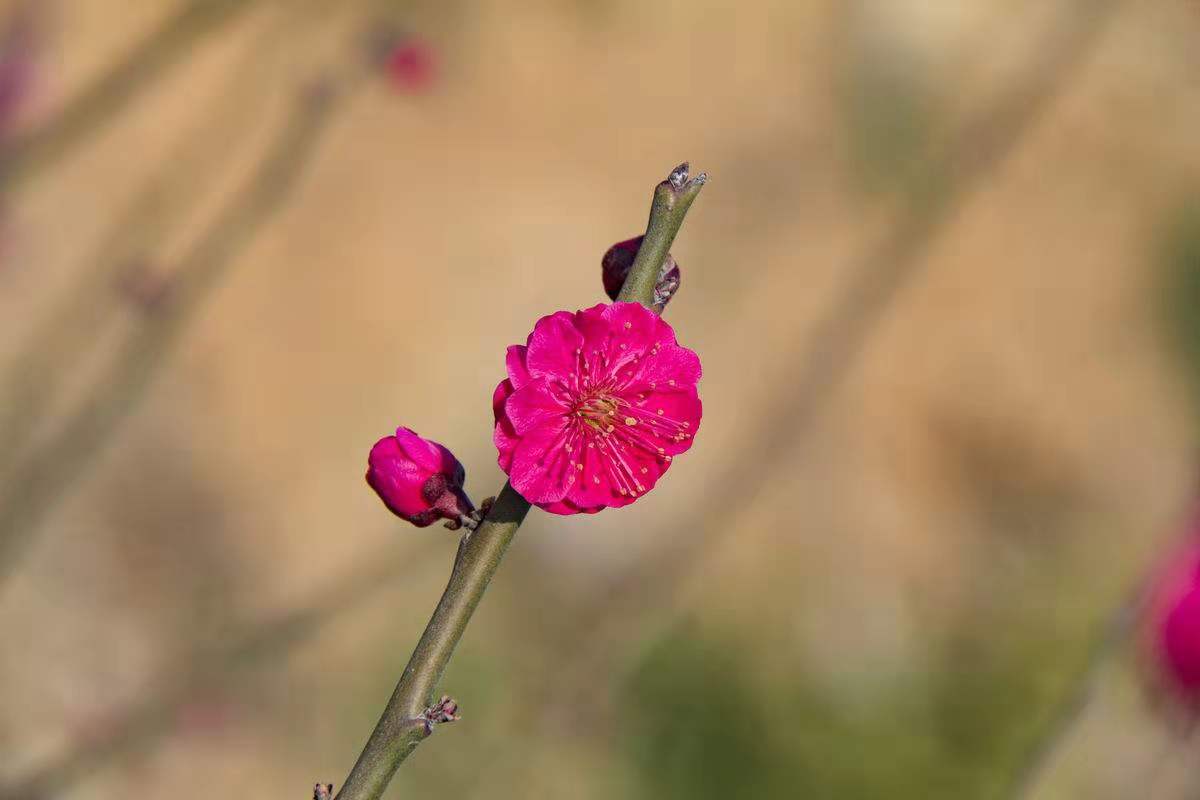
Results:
[669, 205]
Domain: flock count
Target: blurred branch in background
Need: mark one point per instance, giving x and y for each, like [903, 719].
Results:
[46, 475]
[820, 364]
[104, 98]
[269, 641]
[62, 340]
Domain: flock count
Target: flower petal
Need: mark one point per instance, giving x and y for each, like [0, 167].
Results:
[619, 336]
[593, 485]
[514, 360]
[504, 437]
[532, 406]
[641, 325]
[663, 423]
[428, 454]
[552, 346]
[671, 362]
[540, 465]
[566, 508]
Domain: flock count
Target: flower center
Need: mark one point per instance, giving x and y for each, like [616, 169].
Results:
[596, 410]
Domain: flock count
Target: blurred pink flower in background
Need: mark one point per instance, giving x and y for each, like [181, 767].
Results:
[17, 45]
[417, 479]
[1171, 629]
[411, 65]
[209, 715]
[595, 406]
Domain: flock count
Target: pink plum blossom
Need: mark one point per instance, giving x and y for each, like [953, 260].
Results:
[595, 407]
[417, 479]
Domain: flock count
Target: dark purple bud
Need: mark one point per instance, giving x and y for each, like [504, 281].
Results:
[619, 259]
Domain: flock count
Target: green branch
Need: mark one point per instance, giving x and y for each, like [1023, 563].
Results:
[409, 718]
[672, 199]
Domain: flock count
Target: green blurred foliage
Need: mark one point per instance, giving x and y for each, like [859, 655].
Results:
[702, 727]
[1178, 255]
[698, 728]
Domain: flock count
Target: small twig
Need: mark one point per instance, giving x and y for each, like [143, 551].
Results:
[95, 105]
[46, 474]
[480, 551]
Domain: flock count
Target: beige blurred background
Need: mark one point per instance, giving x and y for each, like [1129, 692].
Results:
[932, 283]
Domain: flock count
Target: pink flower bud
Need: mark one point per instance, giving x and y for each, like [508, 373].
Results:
[418, 479]
[619, 259]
